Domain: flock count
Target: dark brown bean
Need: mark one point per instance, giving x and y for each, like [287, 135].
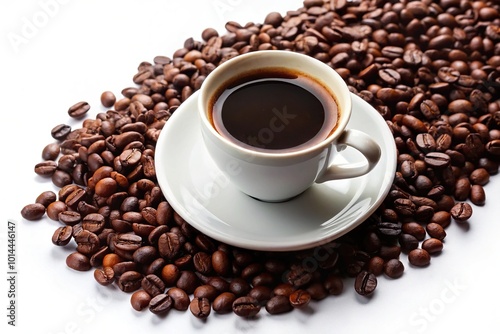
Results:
[79, 109]
[365, 283]
[78, 261]
[62, 235]
[180, 298]
[140, 300]
[246, 307]
[33, 211]
[419, 257]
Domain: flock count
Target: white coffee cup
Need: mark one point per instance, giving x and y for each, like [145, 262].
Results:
[275, 176]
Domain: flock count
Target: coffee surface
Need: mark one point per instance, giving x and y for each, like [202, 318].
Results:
[287, 112]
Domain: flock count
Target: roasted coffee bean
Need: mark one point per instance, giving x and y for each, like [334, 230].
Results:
[206, 291]
[477, 195]
[51, 151]
[317, 291]
[46, 197]
[128, 242]
[33, 211]
[278, 304]
[394, 268]
[200, 307]
[130, 281]
[223, 303]
[461, 212]
[153, 285]
[78, 261]
[169, 245]
[408, 242]
[78, 109]
[437, 159]
[70, 218]
[436, 231]
[145, 254]
[187, 281]
[46, 168]
[62, 235]
[180, 298]
[108, 99]
[300, 298]
[160, 304]
[221, 263]
[60, 132]
[104, 276]
[365, 283]
[432, 245]
[419, 257]
[376, 265]
[87, 242]
[246, 307]
[140, 300]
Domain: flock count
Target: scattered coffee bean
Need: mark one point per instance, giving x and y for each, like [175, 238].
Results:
[200, 307]
[108, 99]
[394, 268]
[160, 304]
[246, 307]
[33, 211]
[78, 109]
[140, 300]
[419, 257]
[365, 283]
[223, 303]
[461, 212]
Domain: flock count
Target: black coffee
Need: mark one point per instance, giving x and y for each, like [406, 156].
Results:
[275, 110]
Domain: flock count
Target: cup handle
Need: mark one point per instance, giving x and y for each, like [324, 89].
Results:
[361, 142]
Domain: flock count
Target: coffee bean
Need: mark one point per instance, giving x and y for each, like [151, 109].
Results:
[205, 291]
[419, 257]
[461, 212]
[60, 132]
[108, 99]
[62, 235]
[246, 307]
[278, 304]
[46, 168]
[436, 231]
[180, 298]
[69, 218]
[394, 268]
[477, 195]
[300, 298]
[153, 285]
[104, 276]
[33, 211]
[78, 109]
[223, 302]
[140, 300]
[187, 281]
[130, 281]
[437, 159]
[160, 304]
[432, 245]
[200, 307]
[365, 283]
[78, 261]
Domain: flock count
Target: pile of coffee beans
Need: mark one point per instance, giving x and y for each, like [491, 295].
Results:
[430, 68]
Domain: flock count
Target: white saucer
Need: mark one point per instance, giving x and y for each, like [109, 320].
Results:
[201, 195]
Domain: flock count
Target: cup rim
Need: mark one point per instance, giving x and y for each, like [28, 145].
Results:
[345, 108]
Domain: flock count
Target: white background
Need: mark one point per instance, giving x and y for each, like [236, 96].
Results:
[76, 50]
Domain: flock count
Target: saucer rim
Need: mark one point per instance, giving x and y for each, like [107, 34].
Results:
[233, 239]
